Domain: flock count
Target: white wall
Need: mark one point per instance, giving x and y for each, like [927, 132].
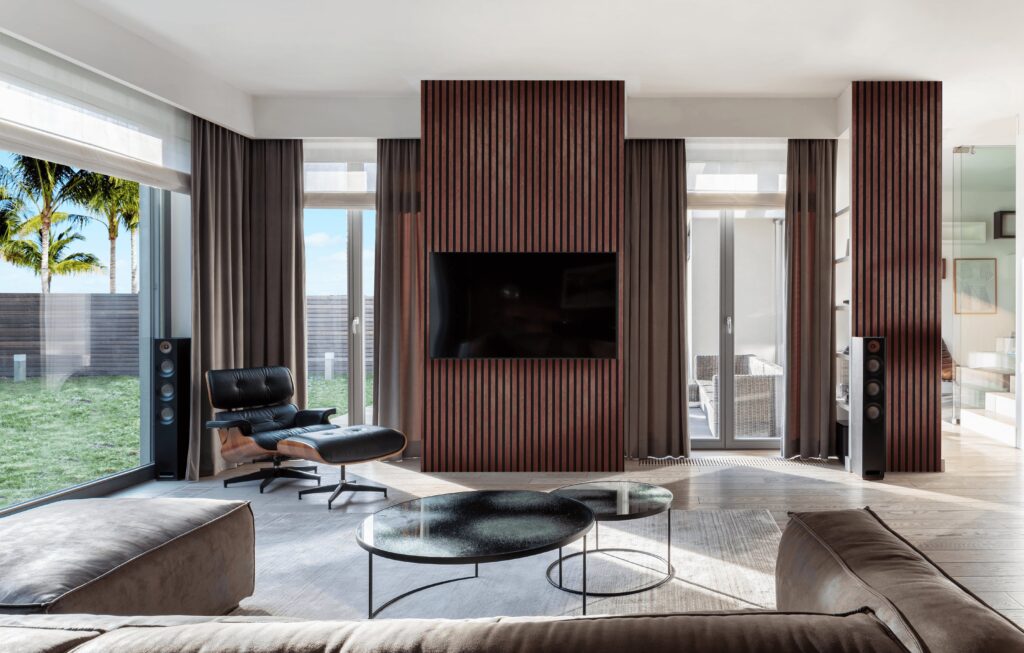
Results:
[980, 195]
[181, 265]
[1019, 259]
[704, 280]
[686, 117]
[318, 117]
[756, 304]
[756, 294]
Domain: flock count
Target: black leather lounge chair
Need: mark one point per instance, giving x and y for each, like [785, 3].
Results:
[257, 421]
[254, 413]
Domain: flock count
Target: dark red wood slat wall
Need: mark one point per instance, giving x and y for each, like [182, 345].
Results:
[896, 233]
[523, 166]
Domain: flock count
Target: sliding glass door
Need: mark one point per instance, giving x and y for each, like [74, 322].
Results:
[735, 293]
[339, 311]
[735, 305]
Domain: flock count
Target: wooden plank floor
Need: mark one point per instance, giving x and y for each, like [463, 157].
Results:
[968, 519]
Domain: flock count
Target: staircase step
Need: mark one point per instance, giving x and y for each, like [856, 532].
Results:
[985, 378]
[989, 424]
[992, 360]
[1003, 403]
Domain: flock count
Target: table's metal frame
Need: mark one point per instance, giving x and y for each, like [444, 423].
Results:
[670, 571]
[371, 612]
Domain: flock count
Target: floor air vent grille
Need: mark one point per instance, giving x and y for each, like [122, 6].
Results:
[738, 461]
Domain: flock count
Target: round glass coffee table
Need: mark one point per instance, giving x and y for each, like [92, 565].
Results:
[617, 501]
[473, 528]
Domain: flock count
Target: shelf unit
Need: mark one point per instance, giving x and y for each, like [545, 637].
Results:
[842, 282]
[842, 273]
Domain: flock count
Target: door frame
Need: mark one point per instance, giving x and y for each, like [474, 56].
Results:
[726, 413]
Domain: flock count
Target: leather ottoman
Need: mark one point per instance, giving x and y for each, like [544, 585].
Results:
[344, 446]
[128, 557]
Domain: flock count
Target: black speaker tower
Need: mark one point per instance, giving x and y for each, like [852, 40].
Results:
[171, 390]
[867, 408]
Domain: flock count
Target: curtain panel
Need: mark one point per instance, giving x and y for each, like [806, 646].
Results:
[399, 297]
[654, 302]
[248, 268]
[810, 299]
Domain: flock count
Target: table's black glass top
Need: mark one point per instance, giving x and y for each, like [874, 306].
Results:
[619, 500]
[482, 526]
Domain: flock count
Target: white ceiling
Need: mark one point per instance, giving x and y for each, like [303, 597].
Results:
[767, 48]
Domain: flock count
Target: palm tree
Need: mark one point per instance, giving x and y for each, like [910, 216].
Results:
[42, 188]
[116, 202]
[27, 253]
[9, 209]
[132, 222]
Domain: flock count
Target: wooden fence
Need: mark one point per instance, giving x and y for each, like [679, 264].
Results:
[69, 334]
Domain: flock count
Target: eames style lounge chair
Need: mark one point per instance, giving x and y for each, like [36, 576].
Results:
[253, 413]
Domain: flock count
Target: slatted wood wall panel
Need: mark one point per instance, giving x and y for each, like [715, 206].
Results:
[896, 250]
[523, 166]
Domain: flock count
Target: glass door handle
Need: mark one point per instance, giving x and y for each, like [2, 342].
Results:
[728, 324]
[355, 326]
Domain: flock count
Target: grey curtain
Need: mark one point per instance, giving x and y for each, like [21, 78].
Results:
[399, 291]
[248, 268]
[810, 309]
[654, 304]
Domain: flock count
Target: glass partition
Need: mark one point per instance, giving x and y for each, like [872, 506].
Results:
[979, 293]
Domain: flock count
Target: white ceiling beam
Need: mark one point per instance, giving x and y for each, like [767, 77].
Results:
[73, 32]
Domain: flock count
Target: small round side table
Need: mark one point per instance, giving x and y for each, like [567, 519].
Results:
[618, 501]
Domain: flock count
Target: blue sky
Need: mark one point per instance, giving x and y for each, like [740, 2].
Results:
[326, 256]
[15, 279]
[327, 251]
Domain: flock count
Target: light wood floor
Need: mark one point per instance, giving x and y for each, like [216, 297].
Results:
[969, 519]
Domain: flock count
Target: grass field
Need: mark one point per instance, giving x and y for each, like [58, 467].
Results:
[86, 428]
[52, 438]
[334, 393]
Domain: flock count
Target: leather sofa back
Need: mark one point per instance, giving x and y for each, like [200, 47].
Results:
[250, 387]
[847, 559]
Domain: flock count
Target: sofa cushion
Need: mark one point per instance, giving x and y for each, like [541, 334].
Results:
[127, 556]
[270, 439]
[750, 632]
[58, 633]
[843, 559]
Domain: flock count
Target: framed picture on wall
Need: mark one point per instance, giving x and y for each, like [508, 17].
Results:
[974, 286]
[1004, 224]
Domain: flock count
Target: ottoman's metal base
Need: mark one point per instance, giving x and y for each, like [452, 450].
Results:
[343, 486]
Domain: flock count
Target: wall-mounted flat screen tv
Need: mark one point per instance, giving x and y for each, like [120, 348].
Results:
[502, 305]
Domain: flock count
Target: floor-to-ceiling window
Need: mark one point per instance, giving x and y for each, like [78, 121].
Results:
[736, 291]
[340, 238]
[71, 403]
[87, 167]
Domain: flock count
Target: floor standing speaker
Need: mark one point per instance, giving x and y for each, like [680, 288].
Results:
[171, 387]
[867, 407]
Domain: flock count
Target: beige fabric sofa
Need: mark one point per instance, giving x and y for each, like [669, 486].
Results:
[128, 557]
[845, 584]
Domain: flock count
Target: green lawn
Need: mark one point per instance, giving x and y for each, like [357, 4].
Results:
[88, 427]
[53, 438]
[334, 393]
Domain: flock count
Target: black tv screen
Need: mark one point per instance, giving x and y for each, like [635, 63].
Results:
[491, 305]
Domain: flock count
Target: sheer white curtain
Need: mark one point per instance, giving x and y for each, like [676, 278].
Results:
[340, 173]
[51, 108]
